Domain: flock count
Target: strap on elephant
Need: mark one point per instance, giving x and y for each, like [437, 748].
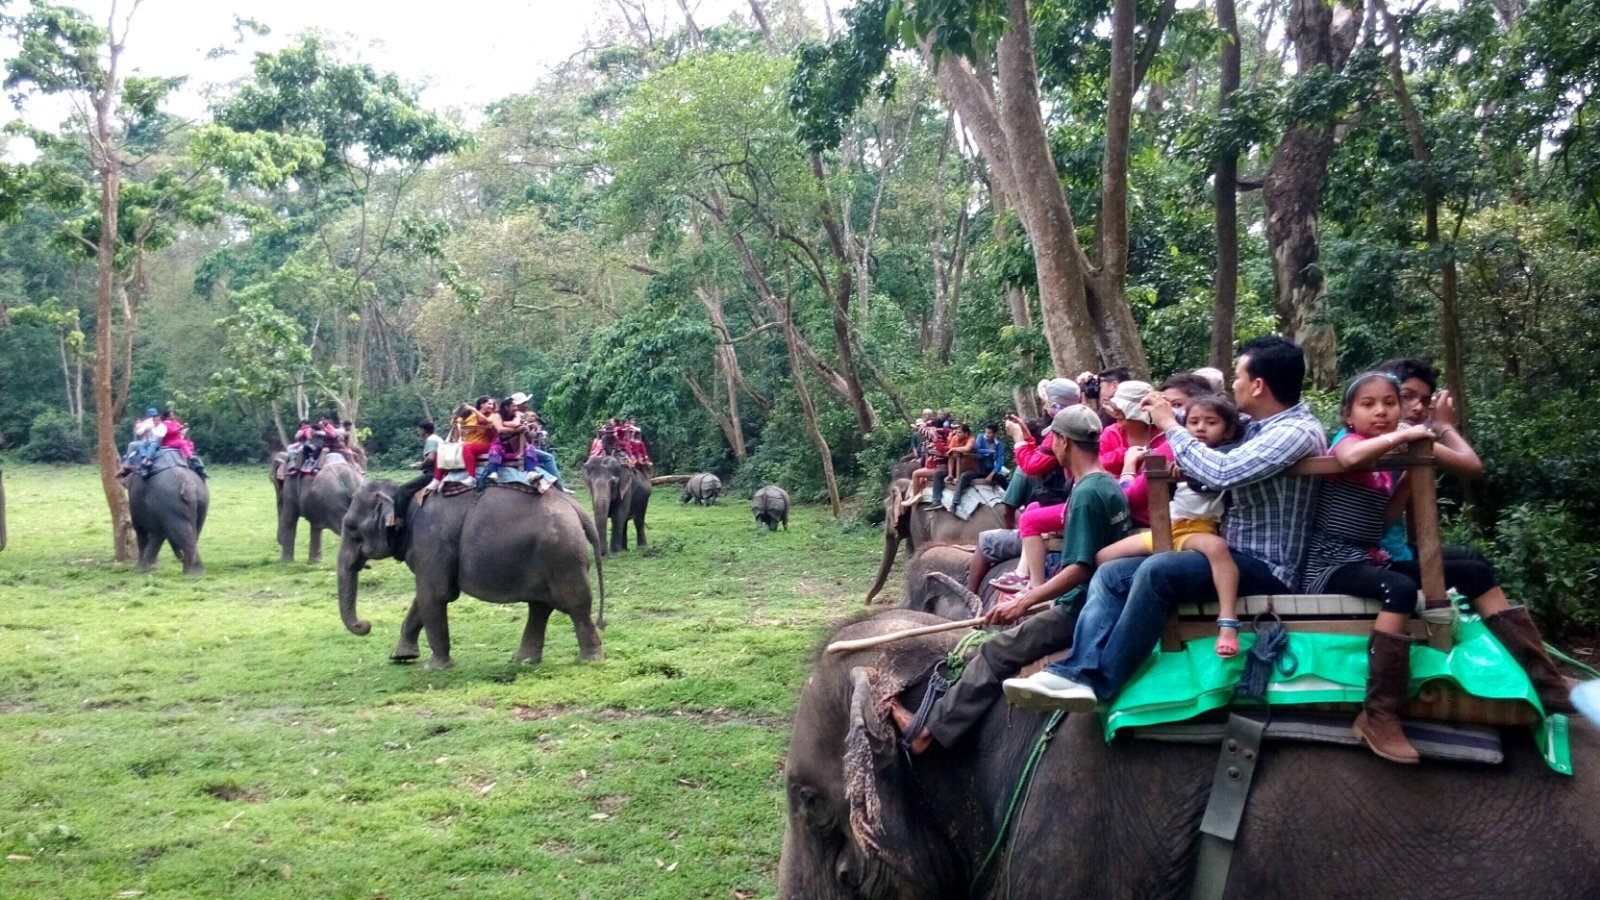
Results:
[938, 684]
[1230, 790]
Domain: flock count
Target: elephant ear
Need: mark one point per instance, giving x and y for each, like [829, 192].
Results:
[385, 511]
[868, 745]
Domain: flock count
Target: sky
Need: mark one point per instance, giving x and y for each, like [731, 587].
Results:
[463, 53]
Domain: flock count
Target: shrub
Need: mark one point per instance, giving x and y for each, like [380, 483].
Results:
[1545, 559]
[52, 438]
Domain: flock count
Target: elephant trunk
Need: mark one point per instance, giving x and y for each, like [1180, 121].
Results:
[891, 546]
[351, 561]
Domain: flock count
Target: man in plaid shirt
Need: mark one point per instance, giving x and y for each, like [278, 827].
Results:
[1130, 600]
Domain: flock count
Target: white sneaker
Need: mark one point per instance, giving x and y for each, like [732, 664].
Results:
[1045, 692]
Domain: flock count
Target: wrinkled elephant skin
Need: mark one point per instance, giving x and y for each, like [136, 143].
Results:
[169, 507]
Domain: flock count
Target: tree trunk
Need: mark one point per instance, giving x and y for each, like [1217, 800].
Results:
[1323, 35]
[109, 169]
[809, 411]
[1225, 186]
[1116, 334]
[842, 292]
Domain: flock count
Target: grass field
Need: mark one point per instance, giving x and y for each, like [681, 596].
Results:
[225, 736]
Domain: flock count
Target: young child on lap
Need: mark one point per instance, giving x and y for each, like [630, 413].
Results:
[1197, 519]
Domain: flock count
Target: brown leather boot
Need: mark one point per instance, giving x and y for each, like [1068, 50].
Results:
[1388, 673]
[1516, 630]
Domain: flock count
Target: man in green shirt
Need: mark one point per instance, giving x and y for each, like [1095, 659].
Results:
[1097, 516]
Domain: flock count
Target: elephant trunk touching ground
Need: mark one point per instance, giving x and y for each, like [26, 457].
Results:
[351, 562]
[1122, 819]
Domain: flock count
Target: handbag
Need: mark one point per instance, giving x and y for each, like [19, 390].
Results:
[451, 456]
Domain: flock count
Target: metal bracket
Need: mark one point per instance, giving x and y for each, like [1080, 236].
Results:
[1230, 790]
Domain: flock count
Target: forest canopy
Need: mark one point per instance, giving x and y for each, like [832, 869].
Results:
[774, 239]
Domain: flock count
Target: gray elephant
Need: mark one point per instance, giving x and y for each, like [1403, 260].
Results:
[168, 506]
[702, 488]
[771, 506]
[321, 499]
[620, 494]
[505, 545]
[1123, 819]
[924, 525]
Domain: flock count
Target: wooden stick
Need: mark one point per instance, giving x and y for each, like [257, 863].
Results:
[891, 637]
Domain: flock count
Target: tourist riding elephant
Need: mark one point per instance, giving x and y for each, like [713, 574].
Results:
[924, 525]
[169, 505]
[702, 488]
[321, 499]
[1123, 819]
[620, 494]
[771, 506]
[504, 545]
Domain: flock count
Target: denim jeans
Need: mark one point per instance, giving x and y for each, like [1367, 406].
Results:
[1129, 603]
[544, 460]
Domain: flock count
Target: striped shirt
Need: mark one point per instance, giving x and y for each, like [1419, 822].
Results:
[1348, 524]
[1269, 514]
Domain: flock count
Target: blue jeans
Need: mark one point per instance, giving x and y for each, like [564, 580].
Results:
[1129, 603]
[544, 460]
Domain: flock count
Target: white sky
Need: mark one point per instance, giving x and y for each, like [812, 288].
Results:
[463, 53]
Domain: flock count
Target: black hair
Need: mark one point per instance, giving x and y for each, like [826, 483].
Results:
[1037, 427]
[1088, 446]
[1412, 367]
[992, 426]
[962, 427]
[1279, 362]
[1116, 373]
[1224, 409]
[305, 421]
[508, 407]
[1387, 377]
[426, 425]
[1191, 384]
[481, 400]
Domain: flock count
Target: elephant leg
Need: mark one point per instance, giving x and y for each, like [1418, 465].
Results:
[619, 530]
[588, 636]
[406, 649]
[149, 547]
[532, 649]
[638, 529]
[186, 543]
[315, 554]
[433, 606]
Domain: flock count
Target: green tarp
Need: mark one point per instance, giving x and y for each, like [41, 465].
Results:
[1332, 668]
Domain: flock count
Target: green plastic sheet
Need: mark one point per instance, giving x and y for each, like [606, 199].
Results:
[1332, 668]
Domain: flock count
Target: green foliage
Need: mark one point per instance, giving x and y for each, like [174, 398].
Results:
[57, 52]
[1177, 338]
[831, 81]
[55, 438]
[1549, 557]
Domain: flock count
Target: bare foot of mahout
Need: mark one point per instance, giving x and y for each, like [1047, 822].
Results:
[902, 721]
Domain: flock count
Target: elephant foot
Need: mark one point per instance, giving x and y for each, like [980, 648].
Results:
[195, 572]
[404, 652]
[438, 662]
[528, 659]
[313, 560]
[595, 655]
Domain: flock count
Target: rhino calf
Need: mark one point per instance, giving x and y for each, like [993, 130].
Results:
[702, 488]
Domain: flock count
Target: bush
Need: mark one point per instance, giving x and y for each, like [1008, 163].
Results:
[54, 439]
[1545, 559]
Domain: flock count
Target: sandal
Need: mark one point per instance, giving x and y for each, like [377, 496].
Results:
[1227, 644]
[1011, 583]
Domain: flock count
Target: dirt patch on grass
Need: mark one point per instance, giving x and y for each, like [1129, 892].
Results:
[233, 792]
[610, 803]
[535, 713]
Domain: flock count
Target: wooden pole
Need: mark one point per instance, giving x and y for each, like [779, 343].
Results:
[891, 637]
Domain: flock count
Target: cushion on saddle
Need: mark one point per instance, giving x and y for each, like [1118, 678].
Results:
[1476, 681]
[165, 458]
[974, 496]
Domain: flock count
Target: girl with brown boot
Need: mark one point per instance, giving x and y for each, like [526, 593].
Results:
[1344, 557]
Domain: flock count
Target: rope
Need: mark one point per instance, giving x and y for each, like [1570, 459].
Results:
[1023, 783]
[1271, 650]
[956, 660]
[1585, 667]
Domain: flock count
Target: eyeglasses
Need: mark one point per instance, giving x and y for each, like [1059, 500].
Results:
[1414, 397]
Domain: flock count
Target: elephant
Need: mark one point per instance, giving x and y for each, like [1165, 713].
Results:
[1122, 819]
[924, 525]
[771, 506]
[169, 505]
[702, 488]
[620, 494]
[320, 499]
[925, 592]
[505, 545]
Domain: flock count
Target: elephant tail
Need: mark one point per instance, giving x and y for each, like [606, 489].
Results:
[593, 534]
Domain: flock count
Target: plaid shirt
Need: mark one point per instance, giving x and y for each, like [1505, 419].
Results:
[1269, 515]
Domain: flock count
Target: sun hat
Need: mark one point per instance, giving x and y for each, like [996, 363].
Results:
[1128, 397]
[519, 398]
[1214, 376]
[1079, 424]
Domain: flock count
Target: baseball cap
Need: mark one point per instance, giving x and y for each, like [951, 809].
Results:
[1127, 399]
[152, 411]
[1077, 423]
[1058, 393]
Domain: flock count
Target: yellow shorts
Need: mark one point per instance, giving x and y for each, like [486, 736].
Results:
[1182, 530]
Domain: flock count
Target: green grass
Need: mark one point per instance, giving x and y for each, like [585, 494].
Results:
[226, 736]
